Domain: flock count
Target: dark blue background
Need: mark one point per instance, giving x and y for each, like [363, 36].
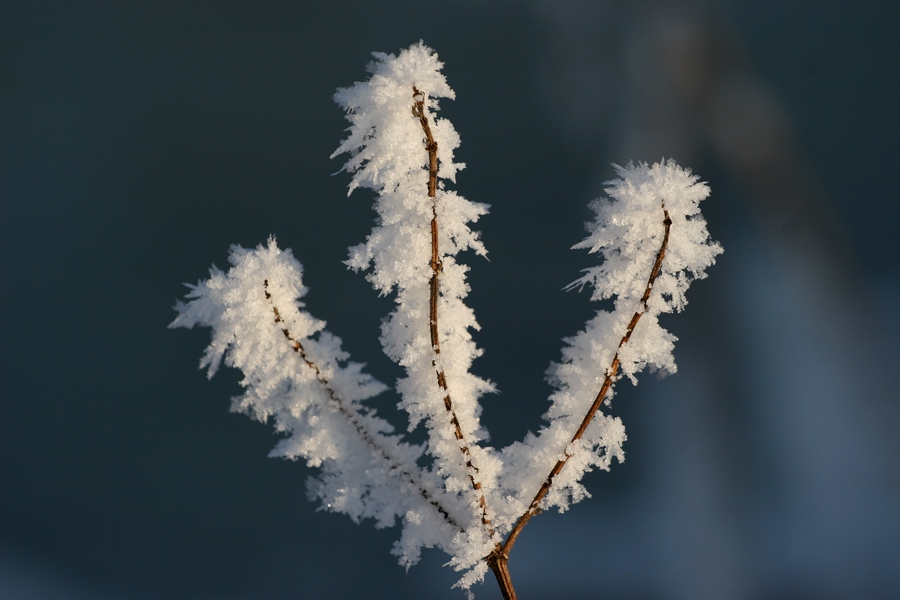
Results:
[138, 142]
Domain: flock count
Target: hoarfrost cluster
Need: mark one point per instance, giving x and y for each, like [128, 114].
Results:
[470, 497]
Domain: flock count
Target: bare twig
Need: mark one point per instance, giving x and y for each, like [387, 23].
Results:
[353, 418]
[534, 508]
[418, 110]
[498, 561]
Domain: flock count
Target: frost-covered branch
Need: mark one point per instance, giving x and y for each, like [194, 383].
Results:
[454, 492]
[421, 227]
[654, 242]
[431, 147]
[296, 375]
[378, 447]
[611, 374]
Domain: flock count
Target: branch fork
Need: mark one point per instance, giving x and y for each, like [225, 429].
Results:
[472, 505]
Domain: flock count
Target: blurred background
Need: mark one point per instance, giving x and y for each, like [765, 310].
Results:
[139, 140]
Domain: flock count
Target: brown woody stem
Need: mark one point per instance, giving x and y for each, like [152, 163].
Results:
[351, 416]
[498, 561]
[611, 372]
[431, 146]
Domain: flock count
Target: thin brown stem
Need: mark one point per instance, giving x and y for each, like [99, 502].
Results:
[353, 418]
[431, 146]
[611, 372]
[498, 561]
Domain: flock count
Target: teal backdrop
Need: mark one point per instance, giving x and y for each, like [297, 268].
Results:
[139, 140]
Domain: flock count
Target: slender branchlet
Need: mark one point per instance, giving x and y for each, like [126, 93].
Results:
[610, 379]
[431, 147]
[353, 419]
